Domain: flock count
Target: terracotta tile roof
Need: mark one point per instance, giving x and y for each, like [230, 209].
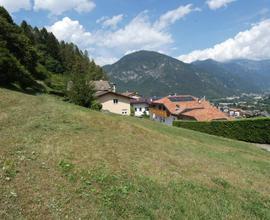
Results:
[190, 106]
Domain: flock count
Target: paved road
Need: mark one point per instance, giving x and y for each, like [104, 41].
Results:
[264, 146]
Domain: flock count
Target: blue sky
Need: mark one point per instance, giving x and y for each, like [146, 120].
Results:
[186, 29]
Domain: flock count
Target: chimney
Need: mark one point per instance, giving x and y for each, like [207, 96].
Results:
[113, 88]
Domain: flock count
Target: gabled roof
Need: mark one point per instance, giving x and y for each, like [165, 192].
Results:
[190, 106]
[141, 101]
[127, 93]
[102, 85]
[206, 114]
[102, 93]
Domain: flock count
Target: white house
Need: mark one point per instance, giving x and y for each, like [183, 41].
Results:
[140, 106]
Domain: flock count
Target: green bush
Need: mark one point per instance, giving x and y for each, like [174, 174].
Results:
[250, 130]
[81, 92]
[96, 106]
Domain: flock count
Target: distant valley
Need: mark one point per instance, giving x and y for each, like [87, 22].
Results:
[154, 74]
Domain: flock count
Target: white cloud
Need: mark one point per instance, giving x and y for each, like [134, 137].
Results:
[111, 22]
[105, 60]
[16, 5]
[172, 16]
[71, 31]
[251, 44]
[216, 4]
[100, 20]
[60, 6]
[129, 38]
[105, 45]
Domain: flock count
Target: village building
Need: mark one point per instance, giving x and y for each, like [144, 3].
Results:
[184, 107]
[139, 104]
[133, 95]
[236, 112]
[141, 107]
[110, 100]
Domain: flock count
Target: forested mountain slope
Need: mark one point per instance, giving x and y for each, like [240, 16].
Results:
[29, 55]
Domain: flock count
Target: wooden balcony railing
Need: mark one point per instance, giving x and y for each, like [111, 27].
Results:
[160, 113]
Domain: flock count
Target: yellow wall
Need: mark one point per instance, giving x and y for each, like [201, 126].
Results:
[122, 105]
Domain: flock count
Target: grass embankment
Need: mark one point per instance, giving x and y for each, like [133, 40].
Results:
[61, 161]
[250, 130]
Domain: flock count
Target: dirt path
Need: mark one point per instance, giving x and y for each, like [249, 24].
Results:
[264, 146]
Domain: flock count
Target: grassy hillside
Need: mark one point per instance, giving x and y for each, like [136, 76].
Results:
[62, 161]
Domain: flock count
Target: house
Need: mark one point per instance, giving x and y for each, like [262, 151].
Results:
[140, 106]
[133, 95]
[236, 112]
[184, 107]
[103, 85]
[114, 102]
[110, 100]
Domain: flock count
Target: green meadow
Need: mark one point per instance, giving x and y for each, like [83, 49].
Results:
[62, 161]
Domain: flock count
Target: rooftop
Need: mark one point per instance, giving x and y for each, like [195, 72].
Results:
[190, 106]
[102, 85]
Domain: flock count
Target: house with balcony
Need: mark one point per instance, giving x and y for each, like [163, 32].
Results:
[184, 107]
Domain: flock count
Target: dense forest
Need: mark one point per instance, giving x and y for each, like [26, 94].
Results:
[32, 59]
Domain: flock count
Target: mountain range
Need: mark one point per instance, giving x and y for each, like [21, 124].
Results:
[154, 74]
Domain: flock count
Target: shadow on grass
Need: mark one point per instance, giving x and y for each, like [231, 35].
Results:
[16, 88]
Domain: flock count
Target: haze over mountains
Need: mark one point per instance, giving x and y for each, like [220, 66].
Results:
[154, 74]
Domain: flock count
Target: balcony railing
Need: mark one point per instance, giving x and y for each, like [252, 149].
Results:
[160, 113]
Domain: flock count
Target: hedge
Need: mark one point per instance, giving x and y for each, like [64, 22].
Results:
[249, 130]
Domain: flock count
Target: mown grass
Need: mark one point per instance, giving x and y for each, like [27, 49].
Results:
[61, 161]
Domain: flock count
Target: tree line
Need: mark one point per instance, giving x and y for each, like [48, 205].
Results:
[33, 59]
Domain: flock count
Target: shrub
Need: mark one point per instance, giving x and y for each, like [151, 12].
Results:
[81, 92]
[96, 106]
[250, 130]
[132, 111]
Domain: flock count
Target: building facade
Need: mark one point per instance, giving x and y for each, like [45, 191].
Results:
[141, 107]
[110, 100]
[184, 107]
[114, 102]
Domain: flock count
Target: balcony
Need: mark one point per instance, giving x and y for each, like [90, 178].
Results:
[160, 113]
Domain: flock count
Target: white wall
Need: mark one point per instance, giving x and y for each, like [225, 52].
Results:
[140, 109]
[168, 120]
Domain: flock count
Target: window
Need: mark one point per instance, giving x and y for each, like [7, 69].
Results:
[124, 112]
[135, 109]
[115, 101]
[140, 109]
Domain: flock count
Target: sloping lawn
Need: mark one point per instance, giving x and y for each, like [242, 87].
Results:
[61, 161]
